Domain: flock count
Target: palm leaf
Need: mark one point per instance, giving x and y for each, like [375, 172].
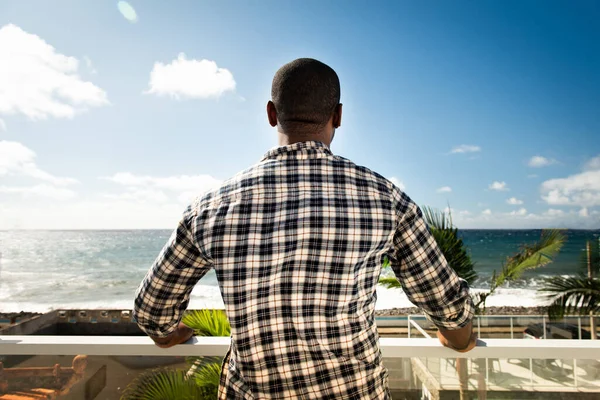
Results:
[572, 295]
[207, 379]
[451, 245]
[208, 322]
[455, 252]
[162, 384]
[437, 219]
[389, 282]
[532, 256]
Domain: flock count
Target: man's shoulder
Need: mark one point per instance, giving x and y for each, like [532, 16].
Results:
[367, 173]
[228, 187]
[402, 202]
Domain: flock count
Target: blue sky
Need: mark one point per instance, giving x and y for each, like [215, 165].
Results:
[108, 122]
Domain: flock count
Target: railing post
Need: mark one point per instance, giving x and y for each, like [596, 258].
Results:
[579, 326]
[478, 327]
[408, 324]
[544, 325]
[512, 329]
[531, 372]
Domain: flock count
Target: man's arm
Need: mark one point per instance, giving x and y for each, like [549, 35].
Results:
[164, 293]
[428, 280]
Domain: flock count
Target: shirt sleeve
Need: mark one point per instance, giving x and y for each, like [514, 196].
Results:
[164, 293]
[427, 279]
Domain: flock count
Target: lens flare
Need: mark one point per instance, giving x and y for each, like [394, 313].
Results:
[127, 11]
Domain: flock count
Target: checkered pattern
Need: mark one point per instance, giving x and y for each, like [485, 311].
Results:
[297, 242]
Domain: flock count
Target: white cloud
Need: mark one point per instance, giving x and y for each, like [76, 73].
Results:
[140, 195]
[532, 176]
[89, 65]
[582, 189]
[539, 161]
[444, 189]
[127, 11]
[514, 201]
[397, 182]
[553, 212]
[185, 187]
[97, 214]
[38, 82]
[42, 190]
[2, 125]
[520, 212]
[196, 79]
[552, 218]
[592, 164]
[499, 186]
[465, 148]
[175, 183]
[16, 159]
[584, 212]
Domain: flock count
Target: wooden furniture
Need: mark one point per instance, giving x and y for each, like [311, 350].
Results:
[40, 383]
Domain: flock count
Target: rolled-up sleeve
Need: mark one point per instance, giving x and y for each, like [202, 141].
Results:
[427, 279]
[163, 295]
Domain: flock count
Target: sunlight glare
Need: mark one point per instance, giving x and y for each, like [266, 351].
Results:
[128, 11]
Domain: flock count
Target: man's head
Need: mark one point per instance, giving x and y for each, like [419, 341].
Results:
[305, 101]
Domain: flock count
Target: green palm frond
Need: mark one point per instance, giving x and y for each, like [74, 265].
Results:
[455, 252]
[450, 244]
[532, 256]
[593, 257]
[162, 384]
[389, 282]
[572, 295]
[208, 322]
[437, 219]
[207, 378]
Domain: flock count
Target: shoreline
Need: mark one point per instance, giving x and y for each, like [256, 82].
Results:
[496, 310]
[392, 312]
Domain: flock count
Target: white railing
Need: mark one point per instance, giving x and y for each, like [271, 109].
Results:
[511, 322]
[217, 346]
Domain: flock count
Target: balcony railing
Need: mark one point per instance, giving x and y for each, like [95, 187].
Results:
[217, 346]
[420, 365]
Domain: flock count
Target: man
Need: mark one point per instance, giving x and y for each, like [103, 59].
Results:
[297, 242]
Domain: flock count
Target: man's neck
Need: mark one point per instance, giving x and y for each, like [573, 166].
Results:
[286, 139]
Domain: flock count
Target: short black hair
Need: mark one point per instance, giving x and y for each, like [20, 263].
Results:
[305, 93]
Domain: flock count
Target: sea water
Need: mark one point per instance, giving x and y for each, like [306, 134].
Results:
[44, 270]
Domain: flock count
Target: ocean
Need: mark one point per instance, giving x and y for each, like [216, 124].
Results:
[45, 270]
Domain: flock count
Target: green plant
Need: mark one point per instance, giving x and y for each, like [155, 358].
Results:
[578, 294]
[446, 235]
[451, 245]
[162, 384]
[208, 322]
[199, 381]
[572, 295]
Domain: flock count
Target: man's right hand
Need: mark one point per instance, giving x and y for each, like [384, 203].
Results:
[182, 334]
[470, 346]
[461, 340]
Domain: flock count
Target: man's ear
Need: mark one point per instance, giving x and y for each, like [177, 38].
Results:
[272, 114]
[337, 116]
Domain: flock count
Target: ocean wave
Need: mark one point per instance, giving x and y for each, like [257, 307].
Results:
[205, 296]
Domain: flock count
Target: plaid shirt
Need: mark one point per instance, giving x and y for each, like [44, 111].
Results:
[297, 242]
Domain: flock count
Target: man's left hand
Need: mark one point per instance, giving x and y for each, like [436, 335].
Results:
[182, 334]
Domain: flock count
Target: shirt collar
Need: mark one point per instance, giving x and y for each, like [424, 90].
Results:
[299, 150]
